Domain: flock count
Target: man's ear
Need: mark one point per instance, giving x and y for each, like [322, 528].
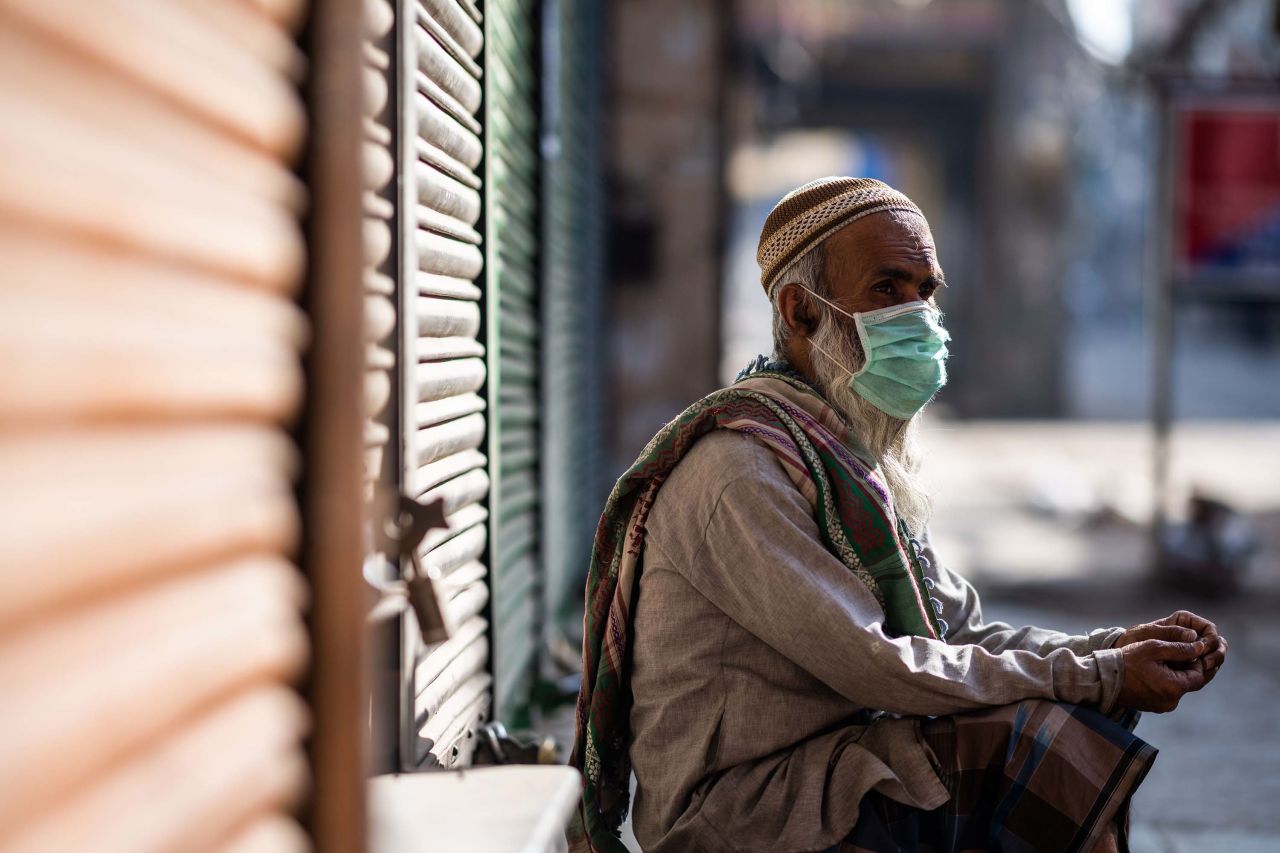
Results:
[796, 309]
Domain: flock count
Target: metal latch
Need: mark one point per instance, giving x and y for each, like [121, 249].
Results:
[403, 533]
[415, 521]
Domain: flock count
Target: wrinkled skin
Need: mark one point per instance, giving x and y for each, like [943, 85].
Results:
[878, 261]
[1166, 659]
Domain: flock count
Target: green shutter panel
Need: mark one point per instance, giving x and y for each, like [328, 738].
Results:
[573, 272]
[447, 685]
[511, 124]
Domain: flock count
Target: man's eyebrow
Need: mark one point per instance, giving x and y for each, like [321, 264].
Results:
[899, 274]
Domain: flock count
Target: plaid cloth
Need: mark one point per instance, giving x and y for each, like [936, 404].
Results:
[1038, 775]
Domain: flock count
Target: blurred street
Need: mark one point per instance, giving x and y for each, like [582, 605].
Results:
[1041, 518]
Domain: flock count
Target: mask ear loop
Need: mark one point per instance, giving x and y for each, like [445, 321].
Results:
[837, 362]
[862, 338]
[829, 303]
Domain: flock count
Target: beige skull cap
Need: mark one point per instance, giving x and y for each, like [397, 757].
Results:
[808, 215]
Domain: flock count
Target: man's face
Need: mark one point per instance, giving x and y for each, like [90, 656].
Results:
[882, 260]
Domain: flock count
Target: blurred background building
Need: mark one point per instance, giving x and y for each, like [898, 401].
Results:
[327, 327]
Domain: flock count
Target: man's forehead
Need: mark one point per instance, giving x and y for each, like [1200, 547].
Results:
[889, 228]
[886, 235]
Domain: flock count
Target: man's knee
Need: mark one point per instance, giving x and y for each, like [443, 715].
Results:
[991, 736]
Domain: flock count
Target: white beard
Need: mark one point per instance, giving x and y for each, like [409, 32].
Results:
[893, 442]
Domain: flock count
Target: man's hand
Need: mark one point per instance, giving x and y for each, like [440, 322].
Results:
[1158, 673]
[1184, 627]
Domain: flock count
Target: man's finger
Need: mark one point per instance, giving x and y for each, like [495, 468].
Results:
[1172, 633]
[1166, 650]
[1156, 631]
[1187, 619]
[1217, 655]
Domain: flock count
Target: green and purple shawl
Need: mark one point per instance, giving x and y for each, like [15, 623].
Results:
[853, 511]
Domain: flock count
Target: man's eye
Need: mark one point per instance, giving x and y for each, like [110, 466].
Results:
[928, 290]
[883, 287]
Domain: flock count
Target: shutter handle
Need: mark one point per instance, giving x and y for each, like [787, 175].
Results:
[412, 523]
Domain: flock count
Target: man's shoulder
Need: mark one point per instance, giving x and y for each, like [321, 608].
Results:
[720, 459]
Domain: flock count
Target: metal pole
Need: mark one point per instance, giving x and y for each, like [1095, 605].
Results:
[1162, 317]
[332, 429]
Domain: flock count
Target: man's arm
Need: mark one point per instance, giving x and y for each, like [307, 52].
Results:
[962, 610]
[762, 561]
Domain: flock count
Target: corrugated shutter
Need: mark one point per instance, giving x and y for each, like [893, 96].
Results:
[572, 312]
[513, 175]
[150, 618]
[448, 685]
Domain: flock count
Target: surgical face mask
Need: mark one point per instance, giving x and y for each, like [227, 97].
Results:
[904, 350]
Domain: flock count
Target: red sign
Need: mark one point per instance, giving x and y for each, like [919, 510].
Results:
[1227, 198]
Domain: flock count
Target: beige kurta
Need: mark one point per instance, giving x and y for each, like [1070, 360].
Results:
[757, 655]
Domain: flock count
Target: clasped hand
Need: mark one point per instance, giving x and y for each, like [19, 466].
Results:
[1167, 659]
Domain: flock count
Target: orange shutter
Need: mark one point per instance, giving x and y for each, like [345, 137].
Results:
[150, 614]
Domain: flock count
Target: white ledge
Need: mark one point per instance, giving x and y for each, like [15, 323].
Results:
[510, 809]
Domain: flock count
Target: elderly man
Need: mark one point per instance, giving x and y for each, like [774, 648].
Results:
[770, 640]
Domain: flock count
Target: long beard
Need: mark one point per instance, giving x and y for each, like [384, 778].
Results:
[893, 442]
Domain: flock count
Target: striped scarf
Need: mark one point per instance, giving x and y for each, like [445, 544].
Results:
[853, 510]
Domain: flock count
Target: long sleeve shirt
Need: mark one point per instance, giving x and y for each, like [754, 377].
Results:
[758, 655]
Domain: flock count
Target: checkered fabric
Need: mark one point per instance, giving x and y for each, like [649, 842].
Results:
[1035, 776]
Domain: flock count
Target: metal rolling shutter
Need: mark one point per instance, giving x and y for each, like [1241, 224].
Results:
[444, 425]
[512, 174]
[150, 618]
[572, 314]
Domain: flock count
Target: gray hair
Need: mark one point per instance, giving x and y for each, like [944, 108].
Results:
[807, 270]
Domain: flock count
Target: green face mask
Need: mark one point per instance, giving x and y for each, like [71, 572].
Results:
[906, 351]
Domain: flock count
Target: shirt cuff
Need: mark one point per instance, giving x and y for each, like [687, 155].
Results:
[1093, 679]
[1104, 638]
[1111, 673]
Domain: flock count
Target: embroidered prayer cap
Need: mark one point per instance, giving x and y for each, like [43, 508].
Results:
[808, 215]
